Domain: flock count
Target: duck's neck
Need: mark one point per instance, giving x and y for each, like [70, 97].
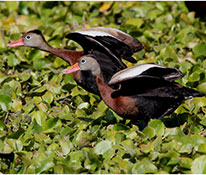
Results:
[105, 91]
[69, 56]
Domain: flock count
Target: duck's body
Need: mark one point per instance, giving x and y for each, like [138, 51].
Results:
[110, 44]
[150, 93]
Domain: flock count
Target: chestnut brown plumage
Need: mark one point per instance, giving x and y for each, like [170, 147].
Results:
[110, 44]
[142, 92]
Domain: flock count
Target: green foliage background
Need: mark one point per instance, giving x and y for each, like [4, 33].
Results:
[50, 125]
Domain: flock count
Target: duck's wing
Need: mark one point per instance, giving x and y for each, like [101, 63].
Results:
[150, 70]
[121, 38]
[143, 85]
[154, 87]
[108, 40]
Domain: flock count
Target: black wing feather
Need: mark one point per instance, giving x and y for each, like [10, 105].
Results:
[120, 49]
[168, 73]
[90, 44]
[148, 86]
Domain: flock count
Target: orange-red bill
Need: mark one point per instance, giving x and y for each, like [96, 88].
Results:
[74, 68]
[16, 43]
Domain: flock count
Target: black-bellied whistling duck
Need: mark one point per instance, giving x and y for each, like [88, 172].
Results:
[142, 92]
[110, 44]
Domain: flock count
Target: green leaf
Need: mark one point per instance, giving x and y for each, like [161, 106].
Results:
[102, 147]
[65, 145]
[149, 132]
[41, 64]
[185, 162]
[188, 142]
[202, 87]
[194, 77]
[82, 139]
[199, 165]
[12, 5]
[143, 167]
[45, 165]
[48, 96]
[200, 49]
[5, 102]
[52, 123]
[158, 126]
[15, 144]
[135, 21]
[168, 52]
[84, 105]
[202, 148]
[39, 116]
[12, 60]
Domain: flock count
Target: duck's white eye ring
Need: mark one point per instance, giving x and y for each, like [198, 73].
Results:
[28, 37]
[83, 61]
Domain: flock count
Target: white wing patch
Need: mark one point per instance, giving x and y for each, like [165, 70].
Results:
[131, 72]
[94, 33]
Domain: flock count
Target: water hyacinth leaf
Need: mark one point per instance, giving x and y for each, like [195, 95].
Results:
[185, 162]
[82, 139]
[16, 105]
[188, 142]
[129, 146]
[158, 126]
[202, 148]
[194, 77]
[173, 132]
[119, 127]
[36, 54]
[143, 167]
[15, 144]
[200, 49]
[2, 126]
[39, 116]
[17, 134]
[135, 21]
[53, 88]
[12, 5]
[12, 60]
[45, 165]
[203, 122]
[52, 123]
[202, 87]
[168, 52]
[199, 165]
[66, 148]
[119, 137]
[84, 105]
[41, 64]
[149, 132]
[102, 147]
[5, 102]
[58, 62]
[6, 148]
[48, 96]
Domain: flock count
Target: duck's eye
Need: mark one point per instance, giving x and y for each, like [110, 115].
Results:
[28, 37]
[83, 61]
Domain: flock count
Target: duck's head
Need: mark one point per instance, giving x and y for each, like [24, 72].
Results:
[33, 38]
[85, 63]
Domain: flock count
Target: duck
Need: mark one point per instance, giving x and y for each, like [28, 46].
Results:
[109, 44]
[142, 92]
